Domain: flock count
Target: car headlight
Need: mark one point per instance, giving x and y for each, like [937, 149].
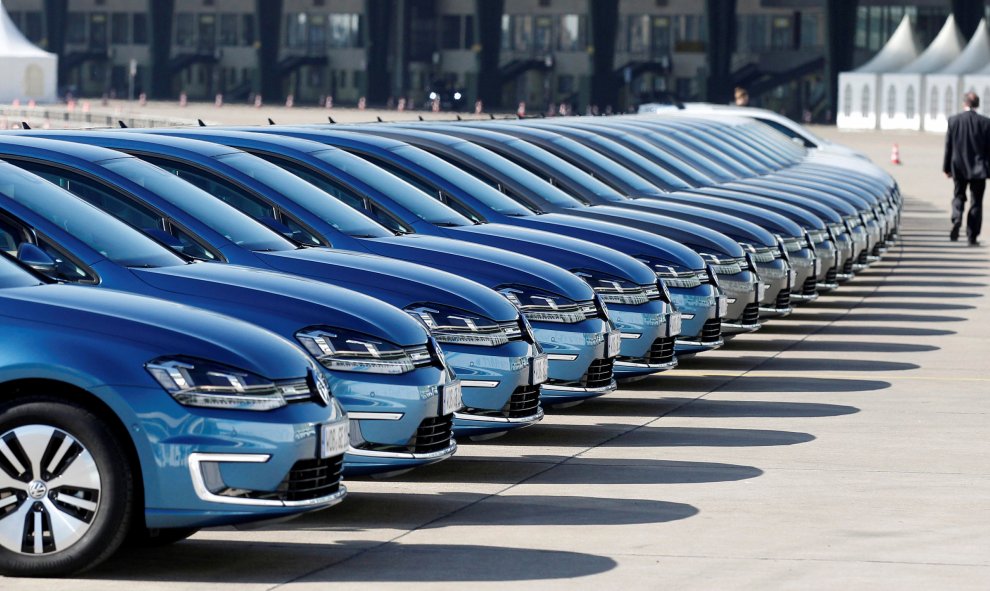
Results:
[449, 325]
[207, 384]
[345, 350]
[613, 290]
[670, 274]
[761, 254]
[722, 264]
[541, 306]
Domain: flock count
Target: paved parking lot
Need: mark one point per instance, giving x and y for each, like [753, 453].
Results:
[844, 447]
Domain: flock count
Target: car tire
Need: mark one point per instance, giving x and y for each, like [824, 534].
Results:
[144, 537]
[81, 499]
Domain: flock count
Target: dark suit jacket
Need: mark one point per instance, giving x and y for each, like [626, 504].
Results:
[966, 145]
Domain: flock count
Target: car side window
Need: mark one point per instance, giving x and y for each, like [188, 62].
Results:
[425, 187]
[127, 210]
[240, 199]
[66, 268]
[11, 237]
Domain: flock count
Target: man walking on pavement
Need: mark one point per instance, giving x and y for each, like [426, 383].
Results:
[966, 145]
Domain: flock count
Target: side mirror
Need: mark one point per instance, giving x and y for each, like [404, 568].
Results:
[36, 258]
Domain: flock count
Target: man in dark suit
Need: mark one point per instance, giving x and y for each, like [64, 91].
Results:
[966, 150]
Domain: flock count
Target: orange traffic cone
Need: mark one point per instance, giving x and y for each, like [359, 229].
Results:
[895, 155]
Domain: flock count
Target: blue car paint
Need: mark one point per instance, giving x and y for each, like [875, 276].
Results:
[281, 303]
[567, 244]
[478, 261]
[504, 371]
[93, 345]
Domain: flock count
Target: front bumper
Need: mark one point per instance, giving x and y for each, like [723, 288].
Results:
[701, 319]
[579, 366]
[648, 334]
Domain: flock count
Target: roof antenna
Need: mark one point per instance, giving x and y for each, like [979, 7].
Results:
[201, 124]
[421, 118]
[380, 120]
[24, 125]
[459, 118]
[329, 118]
[121, 124]
[270, 122]
[492, 115]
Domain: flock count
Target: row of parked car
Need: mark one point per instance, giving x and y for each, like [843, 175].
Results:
[209, 326]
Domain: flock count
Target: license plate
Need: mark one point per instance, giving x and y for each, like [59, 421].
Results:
[613, 344]
[541, 369]
[452, 399]
[674, 324]
[723, 306]
[334, 439]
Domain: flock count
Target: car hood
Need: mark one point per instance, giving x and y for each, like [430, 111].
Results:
[631, 241]
[741, 222]
[700, 238]
[397, 282]
[563, 251]
[254, 294]
[486, 265]
[830, 212]
[158, 326]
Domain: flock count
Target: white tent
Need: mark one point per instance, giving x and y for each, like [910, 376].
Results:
[859, 90]
[29, 72]
[945, 88]
[903, 93]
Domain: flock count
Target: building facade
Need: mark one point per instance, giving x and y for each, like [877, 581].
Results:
[582, 54]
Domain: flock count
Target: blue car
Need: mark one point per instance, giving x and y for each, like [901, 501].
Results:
[123, 415]
[489, 346]
[638, 308]
[619, 148]
[381, 364]
[508, 225]
[697, 228]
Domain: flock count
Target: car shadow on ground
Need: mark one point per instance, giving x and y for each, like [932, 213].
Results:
[230, 562]
[776, 345]
[616, 406]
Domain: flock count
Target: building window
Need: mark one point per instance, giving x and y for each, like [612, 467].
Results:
[295, 29]
[809, 30]
[468, 31]
[228, 29]
[950, 100]
[120, 27]
[140, 34]
[450, 31]
[933, 103]
[638, 34]
[865, 101]
[847, 100]
[571, 36]
[247, 30]
[345, 30]
[781, 33]
[33, 26]
[75, 27]
[891, 101]
[909, 102]
[185, 29]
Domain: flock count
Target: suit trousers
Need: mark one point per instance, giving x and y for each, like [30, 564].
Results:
[974, 219]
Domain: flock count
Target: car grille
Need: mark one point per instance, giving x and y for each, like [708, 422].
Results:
[599, 373]
[711, 332]
[783, 299]
[433, 434]
[862, 260]
[751, 313]
[809, 287]
[525, 402]
[312, 479]
[832, 276]
[661, 351]
[847, 268]
[877, 248]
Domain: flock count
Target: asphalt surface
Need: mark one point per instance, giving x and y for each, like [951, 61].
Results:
[844, 447]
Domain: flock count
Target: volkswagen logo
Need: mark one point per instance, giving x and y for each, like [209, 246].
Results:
[319, 386]
[37, 489]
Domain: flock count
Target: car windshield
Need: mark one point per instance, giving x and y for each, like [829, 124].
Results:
[102, 232]
[13, 276]
[467, 183]
[419, 203]
[695, 159]
[535, 187]
[560, 167]
[596, 160]
[665, 160]
[314, 200]
[234, 225]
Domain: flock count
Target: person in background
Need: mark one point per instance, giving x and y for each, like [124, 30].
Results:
[742, 97]
[966, 144]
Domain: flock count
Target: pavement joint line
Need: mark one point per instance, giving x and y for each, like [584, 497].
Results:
[785, 559]
[553, 465]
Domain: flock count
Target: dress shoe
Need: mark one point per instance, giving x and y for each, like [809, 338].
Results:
[954, 235]
[974, 242]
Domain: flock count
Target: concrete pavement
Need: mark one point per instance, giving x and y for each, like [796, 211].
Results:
[844, 447]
